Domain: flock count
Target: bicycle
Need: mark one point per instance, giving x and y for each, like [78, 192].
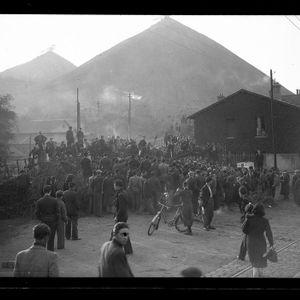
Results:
[176, 221]
[156, 219]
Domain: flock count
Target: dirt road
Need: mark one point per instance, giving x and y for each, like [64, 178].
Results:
[166, 252]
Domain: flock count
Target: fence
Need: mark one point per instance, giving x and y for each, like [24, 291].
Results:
[12, 168]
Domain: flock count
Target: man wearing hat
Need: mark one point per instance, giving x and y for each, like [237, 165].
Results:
[207, 203]
[37, 261]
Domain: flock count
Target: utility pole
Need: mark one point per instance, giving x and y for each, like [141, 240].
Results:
[129, 116]
[272, 122]
[98, 107]
[29, 143]
[78, 113]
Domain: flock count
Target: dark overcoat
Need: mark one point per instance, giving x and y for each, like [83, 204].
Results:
[255, 227]
[113, 261]
[72, 203]
[185, 197]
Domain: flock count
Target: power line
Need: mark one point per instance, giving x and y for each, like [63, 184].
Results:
[292, 22]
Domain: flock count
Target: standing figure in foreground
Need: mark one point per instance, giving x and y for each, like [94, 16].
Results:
[255, 227]
[47, 211]
[63, 219]
[72, 206]
[113, 261]
[37, 261]
[186, 197]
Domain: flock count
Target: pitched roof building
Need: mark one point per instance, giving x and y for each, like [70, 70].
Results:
[241, 122]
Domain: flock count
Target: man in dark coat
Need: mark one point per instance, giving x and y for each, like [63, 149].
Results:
[70, 137]
[135, 186]
[194, 188]
[151, 193]
[285, 185]
[133, 163]
[80, 138]
[72, 205]
[113, 261]
[40, 140]
[108, 192]
[296, 187]
[145, 165]
[106, 163]
[53, 183]
[47, 211]
[185, 196]
[86, 167]
[258, 160]
[207, 203]
[50, 149]
[97, 187]
[121, 214]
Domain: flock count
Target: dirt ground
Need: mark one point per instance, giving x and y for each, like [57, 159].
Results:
[166, 252]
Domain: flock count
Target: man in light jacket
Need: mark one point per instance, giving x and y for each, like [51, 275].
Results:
[37, 261]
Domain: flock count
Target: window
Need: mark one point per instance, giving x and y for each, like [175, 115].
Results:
[230, 128]
[260, 126]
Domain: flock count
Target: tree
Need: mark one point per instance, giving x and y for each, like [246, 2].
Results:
[7, 121]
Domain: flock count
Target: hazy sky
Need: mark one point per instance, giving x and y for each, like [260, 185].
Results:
[266, 42]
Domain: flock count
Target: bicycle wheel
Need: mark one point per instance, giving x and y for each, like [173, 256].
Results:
[179, 225]
[153, 226]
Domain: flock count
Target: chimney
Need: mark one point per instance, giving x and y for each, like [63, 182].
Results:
[277, 91]
[298, 92]
[220, 97]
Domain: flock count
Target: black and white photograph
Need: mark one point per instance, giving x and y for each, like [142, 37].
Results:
[149, 146]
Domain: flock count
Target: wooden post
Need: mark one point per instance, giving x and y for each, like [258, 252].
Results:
[129, 116]
[18, 166]
[78, 113]
[272, 122]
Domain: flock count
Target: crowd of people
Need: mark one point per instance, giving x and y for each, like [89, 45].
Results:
[124, 175]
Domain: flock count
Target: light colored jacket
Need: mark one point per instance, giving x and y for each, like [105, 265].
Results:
[36, 261]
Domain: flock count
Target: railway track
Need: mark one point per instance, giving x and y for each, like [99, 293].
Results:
[247, 268]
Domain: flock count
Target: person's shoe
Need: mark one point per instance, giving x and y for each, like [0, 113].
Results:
[76, 239]
[206, 228]
[212, 227]
[240, 258]
[188, 233]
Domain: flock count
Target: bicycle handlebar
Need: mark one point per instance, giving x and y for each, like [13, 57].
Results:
[164, 205]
